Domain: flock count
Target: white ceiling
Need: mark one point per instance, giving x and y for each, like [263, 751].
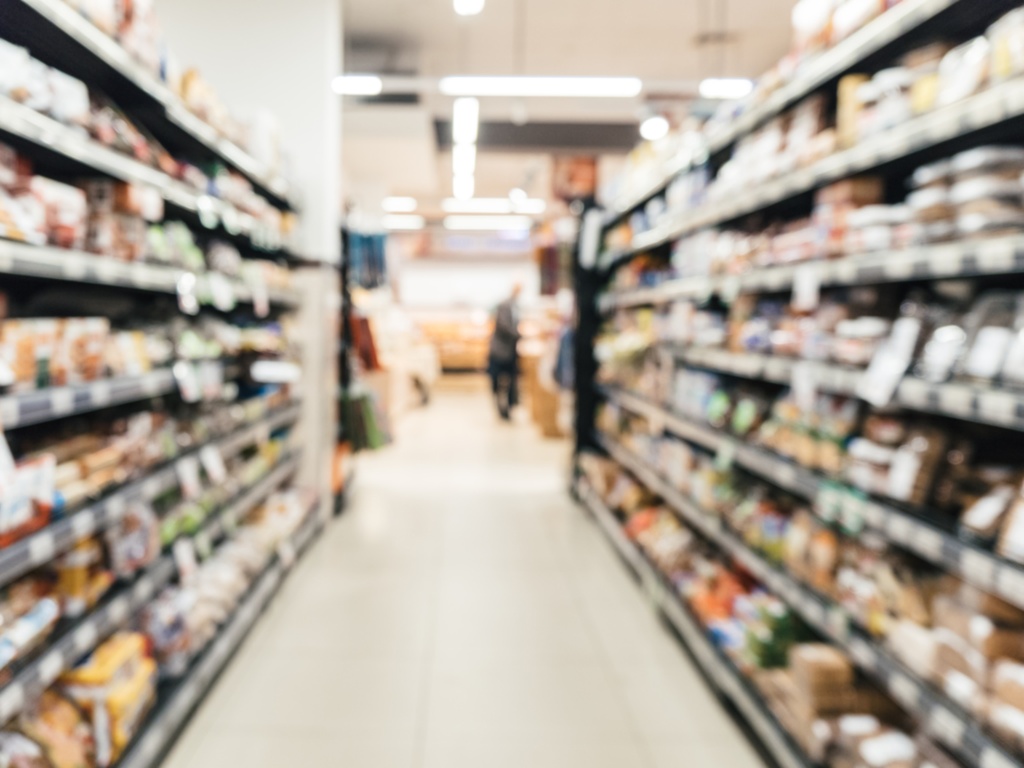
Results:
[392, 150]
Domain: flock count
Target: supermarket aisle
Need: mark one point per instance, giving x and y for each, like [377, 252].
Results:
[463, 613]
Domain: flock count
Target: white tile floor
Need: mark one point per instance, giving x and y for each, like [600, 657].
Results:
[464, 613]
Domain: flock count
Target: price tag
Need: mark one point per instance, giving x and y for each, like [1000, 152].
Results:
[187, 378]
[86, 637]
[286, 553]
[213, 464]
[222, 292]
[203, 546]
[187, 470]
[806, 288]
[852, 516]
[100, 394]
[62, 401]
[185, 559]
[10, 412]
[726, 456]
[41, 548]
[948, 726]
[260, 293]
[51, 667]
[829, 504]
[805, 386]
[838, 623]
[978, 568]
[904, 690]
[187, 290]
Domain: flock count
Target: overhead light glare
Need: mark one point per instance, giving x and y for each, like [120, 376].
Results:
[726, 88]
[495, 205]
[488, 223]
[654, 128]
[464, 187]
[464, 159]
[518, 195]
[399, 204]
[539, 87]
[469, 7]
[357, 85]
[465, 121]
[404, 223]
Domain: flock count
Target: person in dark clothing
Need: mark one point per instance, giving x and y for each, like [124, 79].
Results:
[503, 359]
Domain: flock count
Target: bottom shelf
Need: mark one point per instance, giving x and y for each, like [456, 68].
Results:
[176, 706]
[718, 669]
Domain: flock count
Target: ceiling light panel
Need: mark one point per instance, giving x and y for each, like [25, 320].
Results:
[404, 223]
[495, 205]
[463, 187]
[488, 223]
[539, 87]
[358, 85]
[726, 88]
[465, 121]
[399, 204]
[464, 159]
[469, 7]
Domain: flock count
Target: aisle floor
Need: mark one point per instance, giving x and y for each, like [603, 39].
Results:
[464, 612]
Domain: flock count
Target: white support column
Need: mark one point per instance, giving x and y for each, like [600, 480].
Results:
[281, 57]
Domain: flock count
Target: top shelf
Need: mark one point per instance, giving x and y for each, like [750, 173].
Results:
[893, 30]
[56, 33]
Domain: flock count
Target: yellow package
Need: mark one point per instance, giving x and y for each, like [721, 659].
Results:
[115, 686]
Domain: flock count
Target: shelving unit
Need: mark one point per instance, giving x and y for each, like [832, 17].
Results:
[719, 671]
[991, 116]
[67, 40]
[947, 722]
[246, 425]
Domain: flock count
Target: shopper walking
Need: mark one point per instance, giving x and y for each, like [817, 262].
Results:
[503, 359]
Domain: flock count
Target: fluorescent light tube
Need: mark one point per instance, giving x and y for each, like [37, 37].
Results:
[527, 87]
[654, 128]
[488, 223]
[465, 121]
[399, 204]
[404, 223]
[357, 85]
[463, 187]
[469, 7]
[726, 88]
[494, 205]
[464, 159]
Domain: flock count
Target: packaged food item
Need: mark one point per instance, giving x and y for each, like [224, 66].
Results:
[990, 334]
[982, 633]
[60, 727]
[19, 751]
[82, 577]
[115, 686]
[1007, 39]
[964, 71]
[984, 519]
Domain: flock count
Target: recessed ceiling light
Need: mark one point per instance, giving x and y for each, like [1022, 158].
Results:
[488, 223]
[357, 85]
[399, 204]
[495, 205]
[527, 87]
[726, 87]
[469, 7]
[463, 187]
[398, 223]
[654, 128]
[465, 121]
[464, 159]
